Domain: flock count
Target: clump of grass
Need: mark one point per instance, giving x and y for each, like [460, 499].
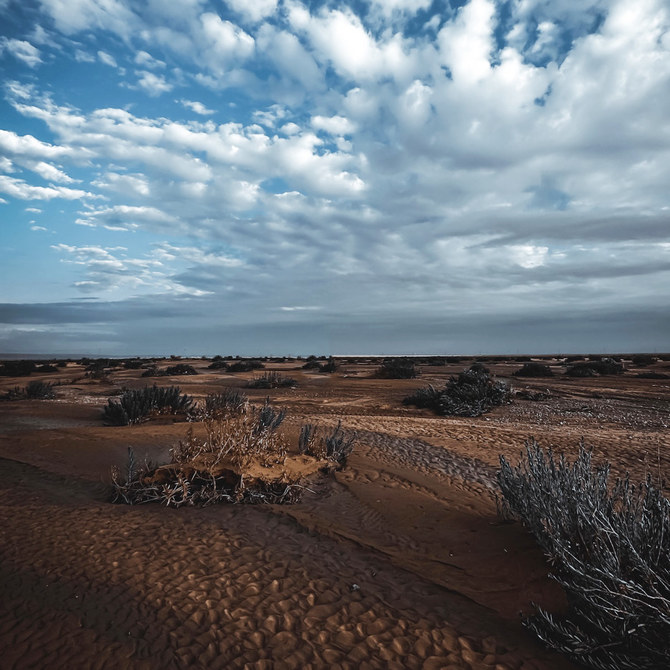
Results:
[609, 543]
[398, 368]
[534, 369]
[334, 446]
[472, 393]
[271, 380]
[136, 405]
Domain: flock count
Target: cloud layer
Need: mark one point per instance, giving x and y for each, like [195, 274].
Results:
[396, 169]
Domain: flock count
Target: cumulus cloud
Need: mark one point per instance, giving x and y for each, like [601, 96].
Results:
[153, 84]
[22, 50]
[471, 166]
[197, 107]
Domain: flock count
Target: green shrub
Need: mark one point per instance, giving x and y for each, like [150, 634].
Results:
[37, 390]
[605, 366]
[534, 369]
[179, 369]
[271, 380]
[245, 366]
[136, 405]
[17, 368]
[609, 546]
[472, 393]
[398, 368]
[231, 401]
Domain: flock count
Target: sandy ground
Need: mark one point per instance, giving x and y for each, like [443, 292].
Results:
[398, 561]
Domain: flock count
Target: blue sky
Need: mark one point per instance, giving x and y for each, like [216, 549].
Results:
[281, 177]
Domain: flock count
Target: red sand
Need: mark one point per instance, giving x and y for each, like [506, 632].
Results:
[398, 561]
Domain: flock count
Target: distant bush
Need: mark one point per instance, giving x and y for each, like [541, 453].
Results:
[133, 364]
[218, 365]
[605, 366]
[136, 405]
[17, 368]
[245, 366]
[330, 366]
[312, 365]
[522, 359]
[271, 380]
[46, 369]
[608, 544]
[179, 369]
[534, 369]
[652, 375]
[151, 371]
[398, 368]
[471, 393]
[642, 360]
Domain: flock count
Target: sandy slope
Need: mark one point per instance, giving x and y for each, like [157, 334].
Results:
[398, 562]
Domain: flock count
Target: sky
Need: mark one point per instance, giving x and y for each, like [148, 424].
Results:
[276, 177]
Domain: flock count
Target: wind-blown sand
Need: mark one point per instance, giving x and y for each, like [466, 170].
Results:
[398, 561]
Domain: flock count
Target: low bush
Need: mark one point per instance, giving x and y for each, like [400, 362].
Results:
[472, 393]
[271, 380]
[398, 368]
[133, 364]
[35, 390]
[642, 360]
[534, 369]
[605, 366]
[609, 546]
[136, 405]
[245, 366]
[179, 369]
[218, 365]
[17, 368]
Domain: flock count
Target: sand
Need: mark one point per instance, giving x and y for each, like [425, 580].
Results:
[397, 561]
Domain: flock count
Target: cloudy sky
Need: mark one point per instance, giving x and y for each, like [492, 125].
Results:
[284, 177]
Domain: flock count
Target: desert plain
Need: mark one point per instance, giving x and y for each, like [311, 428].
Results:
[398, 560]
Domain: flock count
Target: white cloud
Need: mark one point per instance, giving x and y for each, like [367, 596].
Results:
[22, 50]
[146, 60]
[254, 11]
[18, 188]
[107, 59]
[197, 107]
[334, 125]
[223, 42]
[71, 16]
[153, 84]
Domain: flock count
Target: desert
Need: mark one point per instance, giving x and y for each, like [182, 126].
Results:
[398, 559]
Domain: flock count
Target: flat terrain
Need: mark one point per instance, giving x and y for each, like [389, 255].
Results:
[397, 561]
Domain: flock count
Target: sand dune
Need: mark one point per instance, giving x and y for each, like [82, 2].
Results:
[398, 561]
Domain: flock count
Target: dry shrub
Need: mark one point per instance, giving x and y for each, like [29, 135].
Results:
[472, 393]
[609, 544]
[398, 368]
[335, 446]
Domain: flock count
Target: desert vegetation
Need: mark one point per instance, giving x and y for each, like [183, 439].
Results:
[135, 406]
[398, 368]
[242, 457]
[609, 546]
[534, 369]
[271, 380]
[593, 368]
[35, 390]
[471, 393]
